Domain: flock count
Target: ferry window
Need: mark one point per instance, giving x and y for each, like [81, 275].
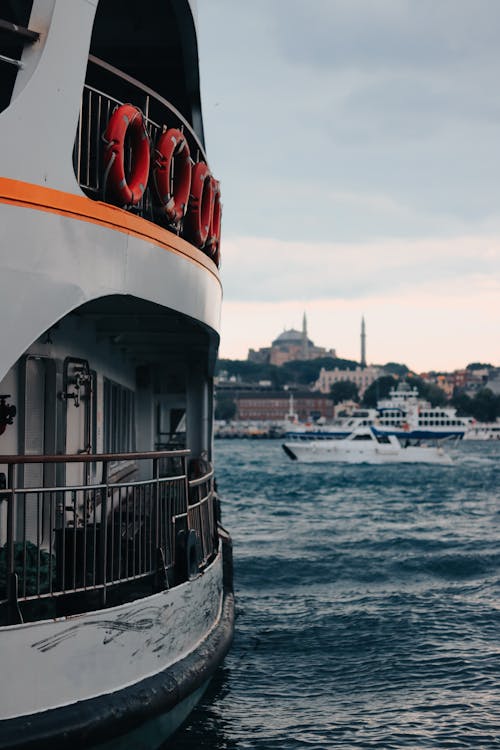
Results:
[362, 437]
[38, 416]
[119, 418]
[383, 439]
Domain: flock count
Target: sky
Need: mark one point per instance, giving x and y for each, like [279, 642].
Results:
[358, 147]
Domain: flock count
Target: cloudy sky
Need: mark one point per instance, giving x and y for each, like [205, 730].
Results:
[358, 147]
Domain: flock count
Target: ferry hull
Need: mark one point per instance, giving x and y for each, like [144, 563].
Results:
[166, 628]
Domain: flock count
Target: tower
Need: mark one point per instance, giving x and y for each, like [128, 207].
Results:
[363, 342]
[305, 347]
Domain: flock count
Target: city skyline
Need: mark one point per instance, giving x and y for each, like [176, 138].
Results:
[363, 346]
[359, 159]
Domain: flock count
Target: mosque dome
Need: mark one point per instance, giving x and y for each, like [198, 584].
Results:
[291, 337]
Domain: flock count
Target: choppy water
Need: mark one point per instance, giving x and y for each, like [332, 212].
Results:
[368, 605]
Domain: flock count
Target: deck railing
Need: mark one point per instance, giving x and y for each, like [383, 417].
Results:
[72, 538]
[96, 109]
[21, 35]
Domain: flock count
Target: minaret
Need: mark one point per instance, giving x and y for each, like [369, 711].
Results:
[305, 347]
[363, 342]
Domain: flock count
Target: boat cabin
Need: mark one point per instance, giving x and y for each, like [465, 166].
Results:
[106, 386]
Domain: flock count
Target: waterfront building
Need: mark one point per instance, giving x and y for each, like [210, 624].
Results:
[276, 406]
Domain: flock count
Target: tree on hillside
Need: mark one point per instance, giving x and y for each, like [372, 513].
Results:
[479, 366]
[251, 372]
[330, 363]
[396, 369]
[242, 368]
[429, 391]
[300, 372]
[461, 402]
[485, 406]
[297, 372]
[225, 406]
[306, 372]
[345, 390]
[378, 389]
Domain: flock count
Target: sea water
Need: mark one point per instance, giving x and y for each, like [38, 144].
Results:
[368, 605]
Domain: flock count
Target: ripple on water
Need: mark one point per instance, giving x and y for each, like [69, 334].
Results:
[368, 610]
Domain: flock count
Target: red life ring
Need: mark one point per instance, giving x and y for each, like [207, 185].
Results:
[126, 189]
[213, 241]
[172, 174]
[200, 205]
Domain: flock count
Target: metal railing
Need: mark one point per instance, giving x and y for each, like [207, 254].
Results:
[95, 111]
[73, 538]
[202, 513]
[24, 35]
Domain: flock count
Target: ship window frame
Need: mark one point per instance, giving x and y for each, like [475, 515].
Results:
[118, 417]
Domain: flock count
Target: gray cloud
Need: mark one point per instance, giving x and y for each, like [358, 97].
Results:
[389, 102]
[269, 271]
[385, 33]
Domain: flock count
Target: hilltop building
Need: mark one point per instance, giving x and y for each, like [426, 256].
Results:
[289, 346]
[465, 380]
[361, 376]
[494, 381]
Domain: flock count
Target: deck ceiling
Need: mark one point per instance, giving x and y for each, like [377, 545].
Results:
[147, 333]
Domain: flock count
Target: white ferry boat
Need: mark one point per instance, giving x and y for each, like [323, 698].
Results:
[403, 413]
[365, 446]
[116, 600]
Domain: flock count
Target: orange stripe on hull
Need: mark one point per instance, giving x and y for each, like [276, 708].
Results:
[40, 198]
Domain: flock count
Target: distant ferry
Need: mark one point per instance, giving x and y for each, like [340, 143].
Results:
[403, 414]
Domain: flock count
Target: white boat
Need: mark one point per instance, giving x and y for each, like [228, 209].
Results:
[116, 600]
[364, 445]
